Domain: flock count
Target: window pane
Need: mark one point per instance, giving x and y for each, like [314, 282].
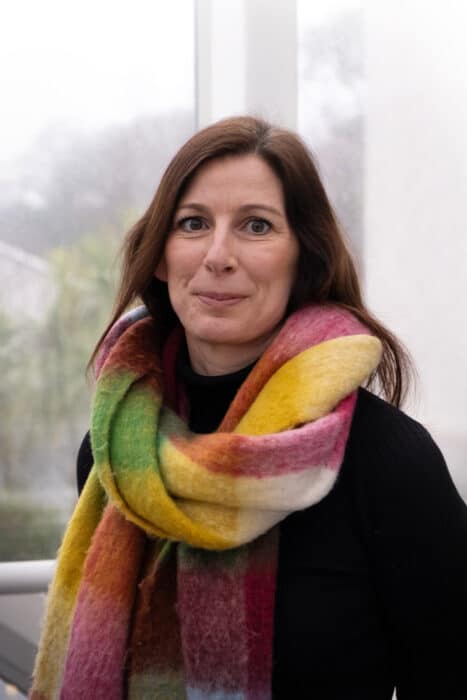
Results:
[96, 97]
[330, 103]
[383, 103]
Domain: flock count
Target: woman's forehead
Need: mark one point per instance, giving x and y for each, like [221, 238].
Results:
[242, 179]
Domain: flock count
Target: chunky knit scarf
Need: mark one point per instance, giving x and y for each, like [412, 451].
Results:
[166, 576]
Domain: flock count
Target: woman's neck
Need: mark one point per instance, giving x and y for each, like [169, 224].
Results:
[209, 396]
[214, 359]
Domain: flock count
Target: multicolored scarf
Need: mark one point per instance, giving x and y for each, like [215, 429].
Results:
[166, 576]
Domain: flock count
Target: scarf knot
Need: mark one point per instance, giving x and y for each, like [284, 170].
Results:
[140, 616]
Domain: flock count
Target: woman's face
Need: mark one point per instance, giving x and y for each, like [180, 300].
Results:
[230, 262]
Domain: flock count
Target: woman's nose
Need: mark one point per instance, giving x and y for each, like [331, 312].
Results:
[220, 255]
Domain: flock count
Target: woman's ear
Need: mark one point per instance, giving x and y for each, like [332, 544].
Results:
[161, 270]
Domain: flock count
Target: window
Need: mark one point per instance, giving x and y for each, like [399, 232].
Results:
[383, 104]
[95, 99]
[330, 103]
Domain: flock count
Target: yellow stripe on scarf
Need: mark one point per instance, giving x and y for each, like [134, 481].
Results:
[312, 374]
[63, 592]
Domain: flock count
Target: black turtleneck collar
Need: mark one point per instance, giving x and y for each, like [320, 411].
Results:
[208, 396]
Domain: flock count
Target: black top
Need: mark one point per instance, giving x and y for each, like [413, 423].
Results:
[372, 581]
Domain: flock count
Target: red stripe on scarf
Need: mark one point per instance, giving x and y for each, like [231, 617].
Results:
[260, 590]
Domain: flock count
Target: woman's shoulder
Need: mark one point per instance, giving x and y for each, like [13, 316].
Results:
[414, 525]
[387, 431]
[373, 410]
[396, 470]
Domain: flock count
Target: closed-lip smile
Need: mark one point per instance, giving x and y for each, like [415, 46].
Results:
[219, 298]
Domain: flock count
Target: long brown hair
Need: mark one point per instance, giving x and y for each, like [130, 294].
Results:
[326, 272]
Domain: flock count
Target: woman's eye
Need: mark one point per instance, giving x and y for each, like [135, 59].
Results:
[258, 226]
[191, 224]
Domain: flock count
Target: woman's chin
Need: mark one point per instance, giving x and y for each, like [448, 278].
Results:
[221, 330]
[220, 335]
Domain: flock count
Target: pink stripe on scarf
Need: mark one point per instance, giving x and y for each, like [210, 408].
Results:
[319, 444]
[211, 606]
[310, 326]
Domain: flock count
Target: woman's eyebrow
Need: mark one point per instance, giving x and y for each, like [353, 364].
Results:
[244, 207]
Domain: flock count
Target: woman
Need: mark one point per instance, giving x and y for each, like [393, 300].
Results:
[256, 524]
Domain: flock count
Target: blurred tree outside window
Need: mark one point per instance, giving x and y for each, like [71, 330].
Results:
[96, 99]
[330, 103]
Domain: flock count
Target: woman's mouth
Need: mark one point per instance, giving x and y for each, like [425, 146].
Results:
[219, 299]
